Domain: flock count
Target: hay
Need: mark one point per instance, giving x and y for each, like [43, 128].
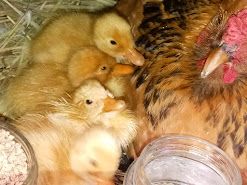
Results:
[21, 19]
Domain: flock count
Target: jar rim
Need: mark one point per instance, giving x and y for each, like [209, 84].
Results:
[183, 137]
[33, 166]
[198, 145]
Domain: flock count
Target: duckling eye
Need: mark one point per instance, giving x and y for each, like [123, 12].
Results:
[93, 162]
[113, 42]
[89, 102]
[103, 68]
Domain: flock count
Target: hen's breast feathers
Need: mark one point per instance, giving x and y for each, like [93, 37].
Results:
[173, 96]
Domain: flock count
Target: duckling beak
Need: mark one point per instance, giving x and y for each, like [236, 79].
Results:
[217, 57]
[134, 57]
[122, 69]
[111, 104]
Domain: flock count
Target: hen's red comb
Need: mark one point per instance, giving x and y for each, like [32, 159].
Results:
[236, 29]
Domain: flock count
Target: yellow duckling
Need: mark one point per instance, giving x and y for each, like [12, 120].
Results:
[60, 37]
[114, 115]
[90, 62]
[97, 152]
[118, 82]
[66, 156]
[100, 107]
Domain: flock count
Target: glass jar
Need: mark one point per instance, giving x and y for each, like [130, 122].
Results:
[32, 166]
[182, 160]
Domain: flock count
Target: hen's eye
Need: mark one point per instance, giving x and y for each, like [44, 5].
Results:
[89, 102]
[113, 42]
[217, 20]
[103, 68]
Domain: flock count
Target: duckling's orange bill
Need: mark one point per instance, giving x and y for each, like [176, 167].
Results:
[217, 57]
[122, 69]
[134, 57]
[111, 104]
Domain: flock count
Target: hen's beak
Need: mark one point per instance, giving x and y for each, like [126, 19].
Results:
[134, 57]
[122, 69]
[217, 57]
[111, 104]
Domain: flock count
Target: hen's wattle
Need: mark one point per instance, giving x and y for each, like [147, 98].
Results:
[230, 74]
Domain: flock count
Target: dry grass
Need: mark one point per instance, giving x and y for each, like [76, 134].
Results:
[21, 19]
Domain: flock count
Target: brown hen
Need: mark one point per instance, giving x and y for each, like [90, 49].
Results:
[194, 79]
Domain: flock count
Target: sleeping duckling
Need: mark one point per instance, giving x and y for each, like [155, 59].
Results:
[67, 156]
[60, 37]
[117, 81]
[92, 100]
[97, 151]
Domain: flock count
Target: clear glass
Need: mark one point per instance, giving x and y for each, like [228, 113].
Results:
[27, 148]
[182, 160]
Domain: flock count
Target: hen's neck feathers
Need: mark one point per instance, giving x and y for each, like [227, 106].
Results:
[168, 43]
[166, 38]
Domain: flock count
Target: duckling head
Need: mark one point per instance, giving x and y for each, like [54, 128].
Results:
[95, 154]
[112, 34]
[91, 104]
[90, 62]
[95, 100]
[103, 109]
